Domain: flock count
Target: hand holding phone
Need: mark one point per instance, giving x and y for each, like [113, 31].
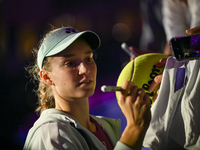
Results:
[185, 48]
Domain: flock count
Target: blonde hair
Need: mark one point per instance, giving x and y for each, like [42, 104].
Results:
[44, 92]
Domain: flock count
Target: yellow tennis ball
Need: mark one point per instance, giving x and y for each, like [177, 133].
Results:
[145, 71]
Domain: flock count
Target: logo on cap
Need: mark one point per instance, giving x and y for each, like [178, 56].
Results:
[71, 30]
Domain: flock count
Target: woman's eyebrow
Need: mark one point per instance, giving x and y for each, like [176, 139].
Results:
[68, 55]
[89, 52]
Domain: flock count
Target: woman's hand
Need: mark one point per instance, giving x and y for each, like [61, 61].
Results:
[135, 105]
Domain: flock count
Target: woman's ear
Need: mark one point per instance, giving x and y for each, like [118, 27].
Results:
[44, 75]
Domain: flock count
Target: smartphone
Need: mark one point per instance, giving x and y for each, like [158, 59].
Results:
[185, 48]
[125, 47]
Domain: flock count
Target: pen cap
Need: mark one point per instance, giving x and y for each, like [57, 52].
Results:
[145, 71]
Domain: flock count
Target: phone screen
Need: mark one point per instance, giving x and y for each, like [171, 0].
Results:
[185, 47]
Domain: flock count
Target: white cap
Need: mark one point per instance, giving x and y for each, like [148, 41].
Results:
[61, 39]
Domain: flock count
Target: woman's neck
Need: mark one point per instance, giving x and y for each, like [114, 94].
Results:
[79, 109]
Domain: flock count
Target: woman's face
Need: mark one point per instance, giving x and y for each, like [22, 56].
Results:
[74, 72]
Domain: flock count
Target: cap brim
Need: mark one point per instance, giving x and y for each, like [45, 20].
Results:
[90, 37]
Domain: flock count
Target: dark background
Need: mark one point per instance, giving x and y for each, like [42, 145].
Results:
[23, 23]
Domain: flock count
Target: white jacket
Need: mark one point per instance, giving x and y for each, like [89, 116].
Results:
[176, 111]
[57, 130]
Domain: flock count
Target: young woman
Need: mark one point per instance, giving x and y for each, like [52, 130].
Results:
[66, 73]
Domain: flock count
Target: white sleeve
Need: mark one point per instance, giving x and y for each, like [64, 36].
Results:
[194, 8]
[176, 18]
[122, 146]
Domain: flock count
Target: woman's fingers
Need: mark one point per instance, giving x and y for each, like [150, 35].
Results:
[142, 99]
[125, 91]
[133, 101]
[138, 103]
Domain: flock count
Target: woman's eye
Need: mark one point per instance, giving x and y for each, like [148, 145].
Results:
[89, 59]
[70, 63]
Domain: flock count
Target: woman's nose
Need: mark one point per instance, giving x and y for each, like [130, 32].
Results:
[83, 69]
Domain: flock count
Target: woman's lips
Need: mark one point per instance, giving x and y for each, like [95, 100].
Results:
[86, 82]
